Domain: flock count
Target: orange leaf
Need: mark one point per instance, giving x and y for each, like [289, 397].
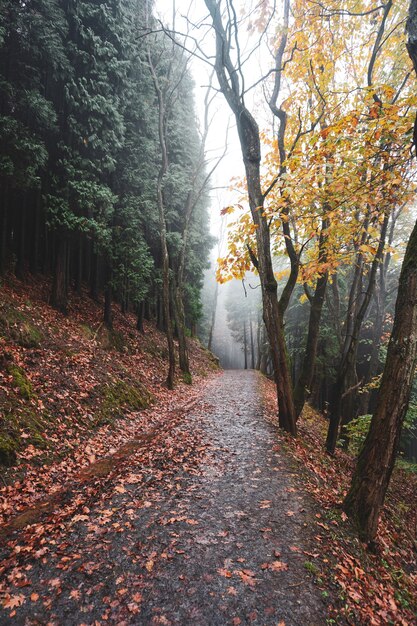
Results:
[225, 573]
[278, 566]
[13, 601]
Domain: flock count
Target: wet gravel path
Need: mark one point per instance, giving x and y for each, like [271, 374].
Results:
[216, 536]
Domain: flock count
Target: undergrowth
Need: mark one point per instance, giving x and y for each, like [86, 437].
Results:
[367, 587]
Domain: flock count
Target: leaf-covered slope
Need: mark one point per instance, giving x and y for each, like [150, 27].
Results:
[72, 392]
[372, 587]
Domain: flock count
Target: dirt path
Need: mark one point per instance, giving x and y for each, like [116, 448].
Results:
[206, 529]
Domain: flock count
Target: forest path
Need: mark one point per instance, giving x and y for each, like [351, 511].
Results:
[208, 529]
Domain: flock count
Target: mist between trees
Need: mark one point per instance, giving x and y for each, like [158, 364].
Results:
[105, 187]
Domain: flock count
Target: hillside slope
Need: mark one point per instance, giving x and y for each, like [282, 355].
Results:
[71, 392]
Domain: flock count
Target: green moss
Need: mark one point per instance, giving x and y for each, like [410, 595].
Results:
[213, 359]
[15, 325]
[13, 424]
[21, 423]
[87, 331]
[117, 341]
[30, 336]
[21, 381]
[311, 567]
[407, 466]
[120, 397]
[187, 378]
[9, 446]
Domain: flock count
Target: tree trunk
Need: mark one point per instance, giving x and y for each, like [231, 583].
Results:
[162, 223]
[245, 344]
[248, 132]
[21, 243]
[140, 318]
[78, 263]
[371, 477]
[36, 232]
[376, 460]
[303, 386]
[373, 364]
[94, 276]
[160, 322]
[345, 390]
[380, 305]
[213, 316]
[108, 296]
[3, 233]
[184, 362]
[252, 345]
[59, 296]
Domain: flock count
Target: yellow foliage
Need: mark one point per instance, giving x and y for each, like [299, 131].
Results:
[347, 143]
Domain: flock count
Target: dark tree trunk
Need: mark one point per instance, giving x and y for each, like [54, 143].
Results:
[245, 345]
[21, 244]
[251, 152]
[78, 263]
[371, 477]
[160, 322]
[213, 316]
[252, 345]
[344, 400]
[380, 307]
[94, 276]
[184, 362]
[140, 318]
[376, 460]
[108, 297]
[303, 386]
[59, 296]
[162, 223]
[258, 344]
[37, 225]
[4, 228]
[147, 311]
[372, 368]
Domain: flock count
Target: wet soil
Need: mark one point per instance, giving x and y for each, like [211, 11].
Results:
[209, 527]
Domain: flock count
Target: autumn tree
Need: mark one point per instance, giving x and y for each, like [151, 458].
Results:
[229, 71]
[376, 460]
[334, 192]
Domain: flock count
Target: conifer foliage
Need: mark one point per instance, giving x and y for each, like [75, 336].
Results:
[79, 155]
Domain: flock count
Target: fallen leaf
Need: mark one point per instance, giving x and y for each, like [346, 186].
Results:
[13, 601]
[295, 549]
[278, 566]
[225, 572]
[247, 577]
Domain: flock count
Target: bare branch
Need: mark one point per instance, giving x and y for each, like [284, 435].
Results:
[376, 48]
[330, 13]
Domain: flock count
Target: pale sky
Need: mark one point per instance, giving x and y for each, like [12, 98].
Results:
[232, 165]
